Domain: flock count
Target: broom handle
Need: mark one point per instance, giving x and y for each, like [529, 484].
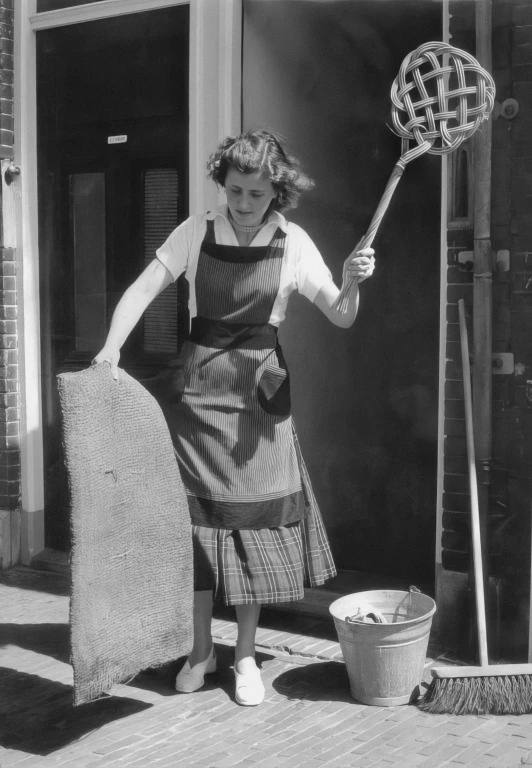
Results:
[473, 489]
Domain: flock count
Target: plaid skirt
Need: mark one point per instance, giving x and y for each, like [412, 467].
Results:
[268, 565]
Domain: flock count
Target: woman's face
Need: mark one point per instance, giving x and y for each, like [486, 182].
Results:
[248, 196]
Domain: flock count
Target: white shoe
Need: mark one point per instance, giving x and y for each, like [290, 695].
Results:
[249, 688]
[191, 679]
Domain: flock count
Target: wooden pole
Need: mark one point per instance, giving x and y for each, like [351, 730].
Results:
[482, 290]
[473, 490]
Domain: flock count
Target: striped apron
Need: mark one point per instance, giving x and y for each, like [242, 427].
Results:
[258, 533]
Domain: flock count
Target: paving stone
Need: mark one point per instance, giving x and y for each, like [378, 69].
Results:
[511, 759]
[306, 762]
[401, 714]
[382, 764]
[471, 753]
[114, 745]
[340, 762]
[442, 756]
[379, 730]
[336, 751]
[489, 736]
[18, 759]
[297, 745]
[496, 750]
[246, 760]
[481, 761]
[525, 731]
[402, 740]
[433, 747]
[268, 762]
[468, 726]
[411, 761]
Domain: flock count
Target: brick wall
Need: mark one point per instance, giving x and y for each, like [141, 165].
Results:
[9, 379]
[511, 230]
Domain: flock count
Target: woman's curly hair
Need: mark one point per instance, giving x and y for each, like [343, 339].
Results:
[257, 151]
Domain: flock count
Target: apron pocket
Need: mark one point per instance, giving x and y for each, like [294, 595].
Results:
[273, 391]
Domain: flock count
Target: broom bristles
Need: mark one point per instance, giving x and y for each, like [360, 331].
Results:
[508, 695]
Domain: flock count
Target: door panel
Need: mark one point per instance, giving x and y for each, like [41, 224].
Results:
[107, 203]
[87, 231]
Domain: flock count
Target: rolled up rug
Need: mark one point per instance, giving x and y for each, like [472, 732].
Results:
[131, 558]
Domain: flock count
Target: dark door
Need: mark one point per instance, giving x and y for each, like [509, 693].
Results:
[113, 149]
[365, 399]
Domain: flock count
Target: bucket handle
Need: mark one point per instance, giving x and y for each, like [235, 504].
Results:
[412, 590]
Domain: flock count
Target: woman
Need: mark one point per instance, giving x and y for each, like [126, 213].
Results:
[258, 535]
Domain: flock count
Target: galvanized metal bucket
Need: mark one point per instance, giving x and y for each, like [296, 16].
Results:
[384, 660]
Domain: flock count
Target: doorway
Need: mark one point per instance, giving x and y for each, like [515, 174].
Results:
[112, 132]
[366, 399]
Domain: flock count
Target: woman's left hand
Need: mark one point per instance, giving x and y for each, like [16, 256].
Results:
[360, 264]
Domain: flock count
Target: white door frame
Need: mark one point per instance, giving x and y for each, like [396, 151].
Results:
[215, 111]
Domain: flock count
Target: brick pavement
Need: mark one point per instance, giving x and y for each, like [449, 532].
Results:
[308, 719]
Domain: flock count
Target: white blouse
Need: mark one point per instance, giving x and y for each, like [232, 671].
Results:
[303, 268]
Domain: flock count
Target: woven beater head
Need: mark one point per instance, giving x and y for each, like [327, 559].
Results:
[439, 105]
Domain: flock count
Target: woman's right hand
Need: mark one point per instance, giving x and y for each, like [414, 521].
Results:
[109, 355]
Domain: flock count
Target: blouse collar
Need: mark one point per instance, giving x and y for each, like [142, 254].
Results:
[274, 217]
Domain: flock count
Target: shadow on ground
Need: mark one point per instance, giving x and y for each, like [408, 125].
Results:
[161, 680]
[325, 681]
[22, 577]
[37, 716]
[48, 639]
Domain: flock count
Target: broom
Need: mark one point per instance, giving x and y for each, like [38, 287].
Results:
[496, 689]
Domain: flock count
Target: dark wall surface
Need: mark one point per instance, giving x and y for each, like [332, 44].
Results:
[508, 496]
[319, 73]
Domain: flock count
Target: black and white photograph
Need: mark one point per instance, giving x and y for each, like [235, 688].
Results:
[265, 383]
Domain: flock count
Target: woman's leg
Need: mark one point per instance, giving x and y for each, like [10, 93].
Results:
[247, 617]
[202, 627]
[249, 688]
[192, 674]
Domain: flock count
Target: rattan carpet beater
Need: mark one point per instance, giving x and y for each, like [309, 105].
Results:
[440, 97]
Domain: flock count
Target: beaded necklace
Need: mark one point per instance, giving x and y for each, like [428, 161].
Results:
[249, 230]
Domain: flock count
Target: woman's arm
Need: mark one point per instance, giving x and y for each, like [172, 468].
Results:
[359, 264]
[130, 308]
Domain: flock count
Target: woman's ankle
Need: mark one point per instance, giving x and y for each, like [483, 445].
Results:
[200, 651]
[244, 663]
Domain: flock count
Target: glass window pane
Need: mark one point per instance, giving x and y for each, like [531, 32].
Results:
[56, 5]
[87, 196]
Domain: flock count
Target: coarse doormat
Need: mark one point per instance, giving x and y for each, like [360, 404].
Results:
[131, 558]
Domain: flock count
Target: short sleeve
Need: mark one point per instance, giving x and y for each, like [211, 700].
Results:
[311, 271]
[175, 252]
